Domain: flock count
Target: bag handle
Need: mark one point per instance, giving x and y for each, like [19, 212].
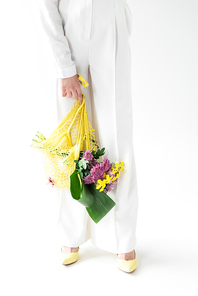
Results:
[83, 81]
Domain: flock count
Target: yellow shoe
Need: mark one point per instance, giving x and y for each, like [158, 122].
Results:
[127, 265]
[68, 258]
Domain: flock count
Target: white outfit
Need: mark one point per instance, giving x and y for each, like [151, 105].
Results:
[91, 38]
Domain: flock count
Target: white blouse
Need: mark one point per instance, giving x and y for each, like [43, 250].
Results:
[53, 27]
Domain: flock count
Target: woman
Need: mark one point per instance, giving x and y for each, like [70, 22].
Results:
[91, 38]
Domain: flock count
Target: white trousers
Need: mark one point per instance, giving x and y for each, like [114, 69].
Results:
[98, 37]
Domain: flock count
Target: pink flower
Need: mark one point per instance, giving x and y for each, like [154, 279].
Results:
[106, 165]
[110, 186]
[110, 173]
[87, 155]
[93, 163]
[51, 181]
[97, 173]
[88, 179]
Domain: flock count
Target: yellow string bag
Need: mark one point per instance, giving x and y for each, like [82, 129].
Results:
[63, 146]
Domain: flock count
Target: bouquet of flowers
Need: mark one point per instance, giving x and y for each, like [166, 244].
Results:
[71, 161]
[91, 180]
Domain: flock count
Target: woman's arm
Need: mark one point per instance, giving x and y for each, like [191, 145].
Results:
[52, 24]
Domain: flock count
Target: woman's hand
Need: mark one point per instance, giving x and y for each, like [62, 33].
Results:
[71, 87]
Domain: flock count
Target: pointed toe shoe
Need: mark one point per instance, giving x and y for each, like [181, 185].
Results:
[127, 265]
[68, 258]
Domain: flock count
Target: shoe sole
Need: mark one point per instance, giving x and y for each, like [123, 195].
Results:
[69, 263]
[127, 271]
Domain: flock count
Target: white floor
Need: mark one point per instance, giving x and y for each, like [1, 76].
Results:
[166, 252]
[161, 271]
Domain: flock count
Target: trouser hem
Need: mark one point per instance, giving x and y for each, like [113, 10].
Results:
[114, 250]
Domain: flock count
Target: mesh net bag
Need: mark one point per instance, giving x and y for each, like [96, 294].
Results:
[73, 135]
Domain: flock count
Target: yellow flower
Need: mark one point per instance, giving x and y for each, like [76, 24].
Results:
[99, 184]
[113, 170]
[116, 176]
[108, 179]
[117, 165]
[104, 185]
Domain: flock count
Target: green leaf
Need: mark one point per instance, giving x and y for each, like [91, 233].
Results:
[97, 203]
[99, 153]
[75, 185]
[102, 204]
[86, 197]
[83, 194]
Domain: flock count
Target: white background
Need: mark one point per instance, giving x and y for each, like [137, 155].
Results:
[165, 114]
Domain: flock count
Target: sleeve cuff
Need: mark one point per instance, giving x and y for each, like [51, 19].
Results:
[66, 72]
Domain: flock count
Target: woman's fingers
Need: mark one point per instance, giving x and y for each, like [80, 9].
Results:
[80, 96]
[71, 88]
[74, 95]
[63, 91]
[69, 94]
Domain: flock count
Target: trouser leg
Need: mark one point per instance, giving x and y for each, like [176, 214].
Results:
[111, 82]
[110, 112]
[73, 222]
[73, 219]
